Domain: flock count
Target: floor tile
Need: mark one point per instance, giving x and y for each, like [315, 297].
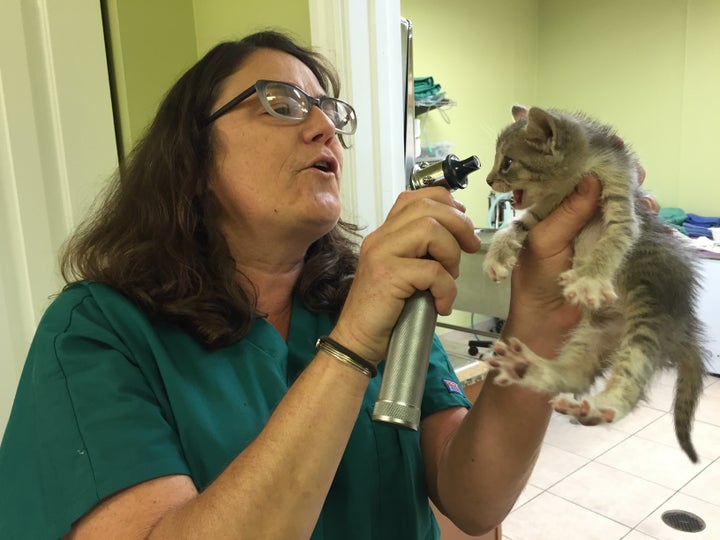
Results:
[637, 535]
[653, 461]
[712, 384]
[529, 493]
[638, 419]
[613, 482]
[585, 441]
[549, 517]
[660, 396]
[705, 437]
[710, 513]
[666, 377]
[706, 485]
[612, 493]
[709, 409]
[553, 465]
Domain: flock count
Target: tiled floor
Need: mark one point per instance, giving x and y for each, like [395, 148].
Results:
[614, 482]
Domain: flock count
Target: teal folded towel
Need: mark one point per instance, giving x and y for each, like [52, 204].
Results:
[424, 87]
[423, 83]
[675, 217]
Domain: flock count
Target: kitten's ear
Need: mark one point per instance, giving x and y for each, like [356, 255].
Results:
[541, 130]
[518, 112]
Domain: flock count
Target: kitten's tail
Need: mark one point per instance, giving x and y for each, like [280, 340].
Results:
[688, 387]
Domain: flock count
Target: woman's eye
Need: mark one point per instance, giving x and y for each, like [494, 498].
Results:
[288, 108]
[282, 108]
[505, 165]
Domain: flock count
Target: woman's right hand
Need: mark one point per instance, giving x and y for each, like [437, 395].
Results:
[417, 248]
[538, 309]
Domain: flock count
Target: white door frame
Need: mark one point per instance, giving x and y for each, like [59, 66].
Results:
[362, 38]
[57, 143]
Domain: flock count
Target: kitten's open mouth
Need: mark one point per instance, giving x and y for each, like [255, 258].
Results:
[517, 198]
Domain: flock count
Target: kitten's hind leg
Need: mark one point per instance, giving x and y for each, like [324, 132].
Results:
[572, 371]
[585, 411]
[632, 368]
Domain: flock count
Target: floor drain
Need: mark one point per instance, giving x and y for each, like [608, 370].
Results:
[683, 521]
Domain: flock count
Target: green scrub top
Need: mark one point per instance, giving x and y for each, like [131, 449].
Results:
[109, 398]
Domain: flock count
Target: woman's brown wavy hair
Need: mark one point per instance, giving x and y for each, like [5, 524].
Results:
[153, 234]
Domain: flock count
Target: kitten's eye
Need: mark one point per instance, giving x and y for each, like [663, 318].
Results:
[505, 165]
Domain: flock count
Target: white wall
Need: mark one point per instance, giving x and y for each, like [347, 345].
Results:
[57, 145]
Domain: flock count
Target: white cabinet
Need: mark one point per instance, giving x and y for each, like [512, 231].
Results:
[709, 309]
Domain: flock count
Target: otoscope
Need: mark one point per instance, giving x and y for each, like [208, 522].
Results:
[406, 365]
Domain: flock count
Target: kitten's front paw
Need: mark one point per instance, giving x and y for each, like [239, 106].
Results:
[501, 257]
[590, 292]
[511, 359]
[498, 270]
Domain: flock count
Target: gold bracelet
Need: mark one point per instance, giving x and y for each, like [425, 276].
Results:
[346, 356]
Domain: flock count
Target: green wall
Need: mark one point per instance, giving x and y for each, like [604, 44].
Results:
[649, 67]
[484, 55]
[697, 184]
[153, 43]
[217, 20]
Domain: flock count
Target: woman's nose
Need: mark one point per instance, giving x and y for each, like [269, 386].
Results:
[318, 125]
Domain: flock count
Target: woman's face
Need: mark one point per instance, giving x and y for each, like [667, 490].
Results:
[266, 175]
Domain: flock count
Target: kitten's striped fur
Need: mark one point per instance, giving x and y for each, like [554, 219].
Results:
[633, 276]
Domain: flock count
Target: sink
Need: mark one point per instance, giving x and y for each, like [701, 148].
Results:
[477, 293]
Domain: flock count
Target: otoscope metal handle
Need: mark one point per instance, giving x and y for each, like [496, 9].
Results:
[403, 383]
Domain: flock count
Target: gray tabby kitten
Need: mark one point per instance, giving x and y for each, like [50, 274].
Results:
[633, 277]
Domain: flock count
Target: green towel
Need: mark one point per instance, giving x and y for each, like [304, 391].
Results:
[423, 83]
[424, 87]
[674, 217]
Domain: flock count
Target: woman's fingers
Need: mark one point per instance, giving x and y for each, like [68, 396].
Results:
[417, 248]
[417, 208]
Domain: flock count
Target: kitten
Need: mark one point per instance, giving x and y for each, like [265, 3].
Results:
[633, 277]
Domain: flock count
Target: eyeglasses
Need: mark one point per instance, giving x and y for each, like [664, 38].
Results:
[287, 102]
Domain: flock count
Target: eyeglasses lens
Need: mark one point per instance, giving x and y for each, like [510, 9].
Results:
[288, 102]
[340, 114]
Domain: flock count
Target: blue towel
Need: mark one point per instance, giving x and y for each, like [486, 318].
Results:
[696, 230]
[696, 225]
[703, 221]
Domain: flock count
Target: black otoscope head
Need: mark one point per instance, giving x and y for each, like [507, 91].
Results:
[450, 173]
[456, 170]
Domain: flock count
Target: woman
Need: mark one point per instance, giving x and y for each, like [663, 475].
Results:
[177, 391]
